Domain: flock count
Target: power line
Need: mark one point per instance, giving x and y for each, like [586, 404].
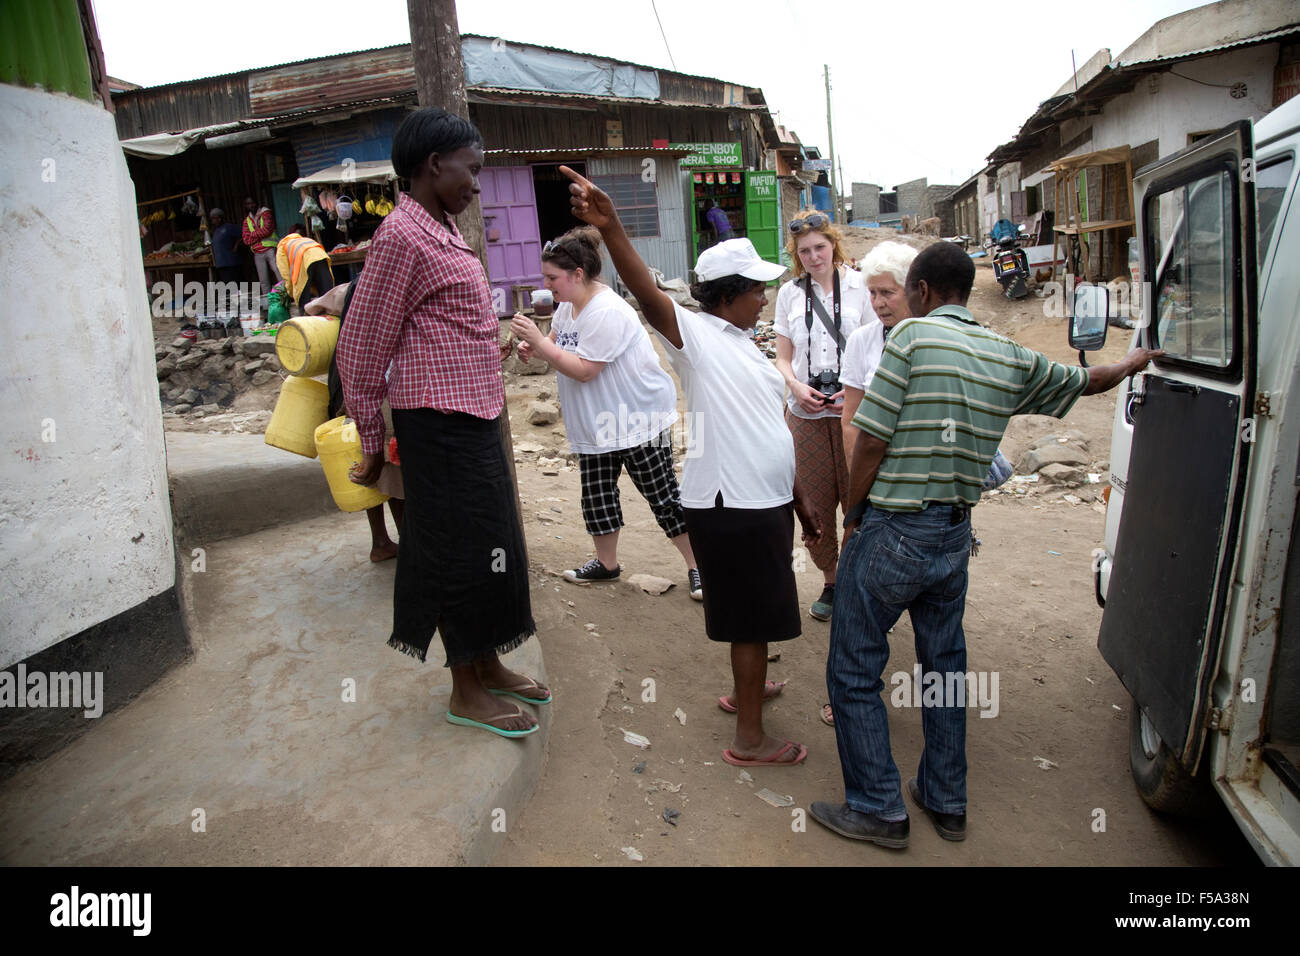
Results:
[662, 34]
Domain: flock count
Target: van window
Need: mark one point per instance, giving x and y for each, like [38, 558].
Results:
[1270, 188]
[1191, 230]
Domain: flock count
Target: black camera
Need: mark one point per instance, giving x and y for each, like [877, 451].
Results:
[827, 383]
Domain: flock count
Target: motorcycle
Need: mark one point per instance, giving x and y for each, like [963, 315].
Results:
[1010, 264]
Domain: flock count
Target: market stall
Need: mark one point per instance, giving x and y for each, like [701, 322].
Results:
[343, 205]
[165, 221]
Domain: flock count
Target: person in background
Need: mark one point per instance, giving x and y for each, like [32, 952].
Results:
[225, 238]
[382, 548]
[884, 270]
[740, 493]
[259, 235]
[931, 419]
[816, 312]
[423, 306]
[619, 404]
[719, 222]
[303, 261]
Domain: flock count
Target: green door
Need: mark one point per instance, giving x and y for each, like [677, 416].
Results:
[763, 214]
[285, 203]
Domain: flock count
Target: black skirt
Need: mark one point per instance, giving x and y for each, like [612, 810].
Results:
[745, 568]
[461, 564]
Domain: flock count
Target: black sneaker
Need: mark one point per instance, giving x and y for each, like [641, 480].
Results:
[821, 608]
[697, 589]
[593, 570]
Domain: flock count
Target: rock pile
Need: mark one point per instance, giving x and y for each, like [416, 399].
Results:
[200, 377]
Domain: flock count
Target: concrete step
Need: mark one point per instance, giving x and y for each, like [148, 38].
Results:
[225, 486]
[256, 732]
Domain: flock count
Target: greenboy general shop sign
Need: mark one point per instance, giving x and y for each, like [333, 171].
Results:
[710, 154]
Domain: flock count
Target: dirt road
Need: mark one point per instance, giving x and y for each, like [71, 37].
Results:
[1048, 775]
[1031, 617]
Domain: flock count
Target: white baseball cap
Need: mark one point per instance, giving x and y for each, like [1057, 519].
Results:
[735, 257]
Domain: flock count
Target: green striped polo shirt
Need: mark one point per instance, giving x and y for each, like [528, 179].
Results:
[941, 399]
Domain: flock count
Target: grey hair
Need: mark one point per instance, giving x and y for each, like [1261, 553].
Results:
[893, 258]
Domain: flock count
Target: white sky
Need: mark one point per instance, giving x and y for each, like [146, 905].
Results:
[924, 88]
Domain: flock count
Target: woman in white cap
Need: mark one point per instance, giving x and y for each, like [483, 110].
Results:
[738, 487]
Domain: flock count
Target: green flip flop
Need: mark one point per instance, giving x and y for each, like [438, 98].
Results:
[512, 692]
[466, 722]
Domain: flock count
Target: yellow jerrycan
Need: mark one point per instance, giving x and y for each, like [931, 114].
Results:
[302, 406]
[339, 446]
[305, 345]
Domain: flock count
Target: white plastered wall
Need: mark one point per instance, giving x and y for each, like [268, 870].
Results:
[85, 520]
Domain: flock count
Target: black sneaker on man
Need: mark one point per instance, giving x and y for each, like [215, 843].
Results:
[697, 589]
[593, 570]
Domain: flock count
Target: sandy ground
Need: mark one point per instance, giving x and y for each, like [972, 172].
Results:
[621, 659]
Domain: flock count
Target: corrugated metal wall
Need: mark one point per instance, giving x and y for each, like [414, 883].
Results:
[342, 79]
[221, 99]
[524, 127]
[363, 138]
[42, 44]
[670, 250]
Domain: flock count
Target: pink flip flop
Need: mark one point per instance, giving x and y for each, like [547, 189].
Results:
[730, 708]
[772, 761]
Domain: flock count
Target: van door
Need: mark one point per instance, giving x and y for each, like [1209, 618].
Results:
[1192, 429]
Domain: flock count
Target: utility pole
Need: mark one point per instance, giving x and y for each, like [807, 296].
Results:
[830, 142]
[844, 216]
[440, 81]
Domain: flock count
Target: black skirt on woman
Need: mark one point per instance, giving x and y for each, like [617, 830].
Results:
[461, 564]
[745, 567]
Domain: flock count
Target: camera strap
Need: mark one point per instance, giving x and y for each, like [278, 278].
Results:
[813, 304]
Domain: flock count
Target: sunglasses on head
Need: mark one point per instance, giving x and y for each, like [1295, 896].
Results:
[816, 221]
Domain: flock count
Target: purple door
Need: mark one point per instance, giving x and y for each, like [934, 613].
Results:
[514, 245]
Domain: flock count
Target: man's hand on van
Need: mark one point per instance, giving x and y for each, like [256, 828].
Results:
[1102, 378]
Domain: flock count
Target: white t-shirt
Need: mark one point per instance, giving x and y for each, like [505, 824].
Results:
[633, 399]
[790, 321]
[738, 442]
[862, 355]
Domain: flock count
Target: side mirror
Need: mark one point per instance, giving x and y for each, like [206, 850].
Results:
[1089, 314]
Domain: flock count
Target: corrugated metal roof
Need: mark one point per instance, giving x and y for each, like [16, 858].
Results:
[406, 47]
[588, 151]
[496, 94]
[285, 89]
[1244, 41]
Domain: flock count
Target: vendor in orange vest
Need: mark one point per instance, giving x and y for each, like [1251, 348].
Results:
[259, 235]
[303, 261]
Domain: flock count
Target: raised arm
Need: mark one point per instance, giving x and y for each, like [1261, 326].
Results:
[594, 207]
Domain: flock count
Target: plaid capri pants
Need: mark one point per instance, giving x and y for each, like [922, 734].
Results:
[650, 467]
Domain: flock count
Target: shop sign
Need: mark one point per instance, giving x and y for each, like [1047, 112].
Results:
[710, 154]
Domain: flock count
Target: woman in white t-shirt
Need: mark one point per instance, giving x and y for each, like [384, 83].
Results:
[619, 404]
[816, 312]
[739, 488]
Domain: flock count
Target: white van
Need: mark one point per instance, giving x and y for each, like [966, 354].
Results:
[1198, 581]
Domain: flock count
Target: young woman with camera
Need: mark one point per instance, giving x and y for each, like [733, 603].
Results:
[816, 312]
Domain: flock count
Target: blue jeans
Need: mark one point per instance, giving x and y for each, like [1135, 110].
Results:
[898, 562]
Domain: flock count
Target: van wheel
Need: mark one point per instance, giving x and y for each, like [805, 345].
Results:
[1161, 780]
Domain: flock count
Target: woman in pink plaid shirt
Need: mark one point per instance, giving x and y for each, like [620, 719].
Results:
[423, 303]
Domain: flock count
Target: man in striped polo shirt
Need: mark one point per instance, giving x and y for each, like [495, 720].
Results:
[931, 420]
